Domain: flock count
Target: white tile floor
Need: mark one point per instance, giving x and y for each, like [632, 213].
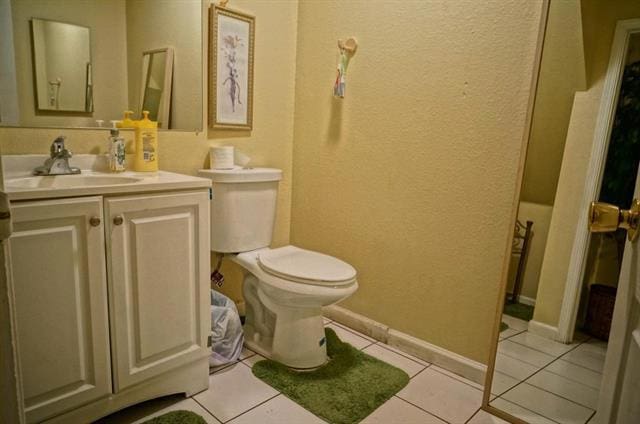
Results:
[543, 381]
[236, 396]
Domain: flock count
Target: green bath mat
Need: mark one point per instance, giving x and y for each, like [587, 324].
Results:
[519, 310]
[177, 417]
[503, 326]
[345, 390]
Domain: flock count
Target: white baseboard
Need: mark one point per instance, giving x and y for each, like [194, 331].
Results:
[544, 330]
[426, 351]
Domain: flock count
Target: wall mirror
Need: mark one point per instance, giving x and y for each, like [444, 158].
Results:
[62, 80]
[572, 296]
[77, 63]
[155, 86]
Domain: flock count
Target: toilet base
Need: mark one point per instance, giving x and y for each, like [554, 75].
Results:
[293, 336]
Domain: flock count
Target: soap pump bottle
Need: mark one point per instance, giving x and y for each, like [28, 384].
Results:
[116, 150]
[146, 144]
[126, 121]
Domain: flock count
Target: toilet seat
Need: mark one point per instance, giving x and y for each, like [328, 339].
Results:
[305, 266]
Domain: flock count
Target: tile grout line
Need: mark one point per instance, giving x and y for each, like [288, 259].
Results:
[591, 417]
[539, 388]
[252, 408]
[206, 409]
[422, 409]
[529, 363]
[527, 409]
[574, 381]
[456, 379]
[513, 335]
[474, 414]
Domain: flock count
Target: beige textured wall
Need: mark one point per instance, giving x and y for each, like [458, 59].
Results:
[151, 25]
[108, 36]
[269, 144]
[411, 177]
[562, 73]
[599, 21]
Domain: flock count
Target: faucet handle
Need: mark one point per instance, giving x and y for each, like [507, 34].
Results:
[58, 145]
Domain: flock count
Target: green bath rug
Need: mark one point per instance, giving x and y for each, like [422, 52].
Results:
[503, 326]
[177, 417]
[519, 310]
[345, 390]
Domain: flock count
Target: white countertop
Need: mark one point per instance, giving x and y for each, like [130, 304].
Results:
[20, 184]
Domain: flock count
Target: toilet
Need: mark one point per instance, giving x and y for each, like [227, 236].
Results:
[284, 288]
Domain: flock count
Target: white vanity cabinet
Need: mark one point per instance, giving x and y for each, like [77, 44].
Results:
[111, 300]
[59, 281]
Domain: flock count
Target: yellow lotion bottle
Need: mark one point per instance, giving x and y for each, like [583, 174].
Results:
[146, 145]
[127, 122]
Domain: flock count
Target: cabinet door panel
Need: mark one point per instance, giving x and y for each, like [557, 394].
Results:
[58, 273]
[159, 261]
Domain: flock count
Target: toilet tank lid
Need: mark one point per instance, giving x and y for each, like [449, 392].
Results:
[241, 175]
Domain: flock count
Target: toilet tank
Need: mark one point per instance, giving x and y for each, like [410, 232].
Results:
[243, 207]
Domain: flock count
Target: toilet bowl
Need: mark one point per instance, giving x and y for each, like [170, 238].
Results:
[284, 288]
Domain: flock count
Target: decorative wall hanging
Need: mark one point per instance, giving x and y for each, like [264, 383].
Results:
[231, 41]
[347, 50]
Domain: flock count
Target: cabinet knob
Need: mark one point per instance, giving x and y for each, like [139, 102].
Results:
[118, 220]
[94, 221]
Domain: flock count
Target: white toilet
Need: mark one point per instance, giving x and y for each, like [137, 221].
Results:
[284, 288]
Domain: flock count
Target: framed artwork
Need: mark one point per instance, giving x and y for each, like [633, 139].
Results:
[231, 41]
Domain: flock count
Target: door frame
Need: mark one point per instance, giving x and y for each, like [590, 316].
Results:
[597, 160]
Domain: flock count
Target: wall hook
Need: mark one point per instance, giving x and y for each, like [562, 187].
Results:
[347, 49]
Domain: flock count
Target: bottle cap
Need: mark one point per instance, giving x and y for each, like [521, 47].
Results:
[114, 128]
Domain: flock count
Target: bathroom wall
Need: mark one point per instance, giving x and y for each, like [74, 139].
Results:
[599, 21]
[186, 97]
[562, 73]
[411, 178]
[269, 144]
[108, 36]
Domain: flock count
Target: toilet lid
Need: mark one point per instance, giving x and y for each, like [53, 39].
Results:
[301, 265]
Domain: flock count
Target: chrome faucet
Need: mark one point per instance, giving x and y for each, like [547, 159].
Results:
[58, 163]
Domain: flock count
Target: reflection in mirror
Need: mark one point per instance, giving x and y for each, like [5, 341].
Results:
[155, 97]
[72, 63]
[556, 322]
[63, 80]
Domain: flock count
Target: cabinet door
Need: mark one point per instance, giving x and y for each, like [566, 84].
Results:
[58, 276]
[158, 260]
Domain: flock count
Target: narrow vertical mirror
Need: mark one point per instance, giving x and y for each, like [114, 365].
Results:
[62, 66]
[155, 95]
[565, 331]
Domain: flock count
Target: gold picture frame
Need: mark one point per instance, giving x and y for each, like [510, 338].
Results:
[231, 52]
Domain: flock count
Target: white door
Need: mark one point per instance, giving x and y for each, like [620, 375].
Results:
[620, 390]
[158, 260]
[59, 283]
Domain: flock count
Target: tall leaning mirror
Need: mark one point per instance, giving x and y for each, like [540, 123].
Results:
[81, 64]
[567, 345]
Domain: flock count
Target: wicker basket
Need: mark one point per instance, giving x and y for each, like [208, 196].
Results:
[600, 311]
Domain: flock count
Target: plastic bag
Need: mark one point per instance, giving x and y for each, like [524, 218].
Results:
[226, 330]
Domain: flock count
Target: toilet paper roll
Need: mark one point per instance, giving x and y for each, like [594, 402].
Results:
[221, 157]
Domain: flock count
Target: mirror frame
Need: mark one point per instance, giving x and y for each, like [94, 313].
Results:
[204, 45]
[69, 112]
[486, 397]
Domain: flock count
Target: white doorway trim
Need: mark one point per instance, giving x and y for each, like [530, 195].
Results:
[600, 144]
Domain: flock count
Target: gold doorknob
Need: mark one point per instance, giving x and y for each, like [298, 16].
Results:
[605, 218]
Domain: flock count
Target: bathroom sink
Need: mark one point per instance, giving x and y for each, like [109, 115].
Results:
[68, 181]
